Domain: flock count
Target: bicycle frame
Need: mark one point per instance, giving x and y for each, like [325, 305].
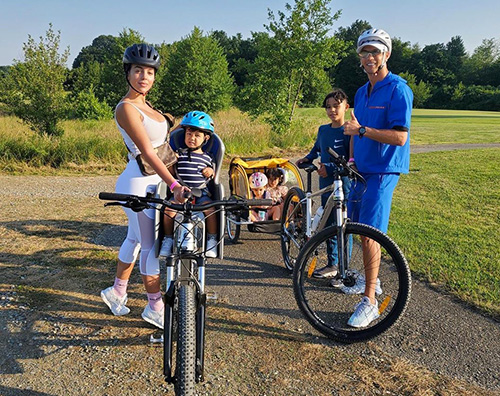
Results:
[180, 269]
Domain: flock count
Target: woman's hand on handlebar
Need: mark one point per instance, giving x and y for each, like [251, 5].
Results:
[180, 193]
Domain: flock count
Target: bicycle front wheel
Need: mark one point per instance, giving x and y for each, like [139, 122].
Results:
[328, 304]
[185, 366]
[293, 226]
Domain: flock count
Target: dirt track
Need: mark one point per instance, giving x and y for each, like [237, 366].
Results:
[73, 346]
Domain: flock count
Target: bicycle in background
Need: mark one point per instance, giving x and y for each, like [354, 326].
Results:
[328, 303]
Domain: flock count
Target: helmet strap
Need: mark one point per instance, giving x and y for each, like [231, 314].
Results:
[130, 85]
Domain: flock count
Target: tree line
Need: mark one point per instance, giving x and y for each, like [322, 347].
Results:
[293, 63]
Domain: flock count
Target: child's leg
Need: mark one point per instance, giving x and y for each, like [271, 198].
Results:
[274, 212]
[168, 222]
[210, 221]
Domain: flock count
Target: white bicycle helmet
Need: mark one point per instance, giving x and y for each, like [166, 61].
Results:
[377, 38]
[258, 180]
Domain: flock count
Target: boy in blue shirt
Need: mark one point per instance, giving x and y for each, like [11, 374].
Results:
[330, 135]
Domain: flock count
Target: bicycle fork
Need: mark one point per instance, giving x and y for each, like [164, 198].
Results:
[201, 301]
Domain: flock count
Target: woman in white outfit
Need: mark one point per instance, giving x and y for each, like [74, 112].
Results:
[142, 128]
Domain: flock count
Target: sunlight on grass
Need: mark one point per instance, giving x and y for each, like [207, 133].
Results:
[446, 218]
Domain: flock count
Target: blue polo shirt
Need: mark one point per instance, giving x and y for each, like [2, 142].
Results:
[389, 105]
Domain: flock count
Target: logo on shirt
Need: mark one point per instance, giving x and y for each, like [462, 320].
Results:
[376, 107]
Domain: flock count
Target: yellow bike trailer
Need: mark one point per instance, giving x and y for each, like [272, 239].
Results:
[240, 170]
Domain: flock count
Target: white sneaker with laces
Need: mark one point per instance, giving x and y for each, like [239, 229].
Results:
[364, 313]
[166, 246]
[156, 318]
[211, 246]
[115, 303]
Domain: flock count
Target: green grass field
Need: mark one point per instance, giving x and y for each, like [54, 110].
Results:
[446, 217]
[446, 212]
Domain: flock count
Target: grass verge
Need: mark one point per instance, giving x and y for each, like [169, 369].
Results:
[446, 218]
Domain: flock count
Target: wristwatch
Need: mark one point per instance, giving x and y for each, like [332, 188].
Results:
[361, 131]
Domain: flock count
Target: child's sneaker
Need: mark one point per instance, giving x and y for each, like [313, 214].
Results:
[328, 271]
[115, 303]
[166, 246]
[211, 246]
[364, 313]
[156, 318]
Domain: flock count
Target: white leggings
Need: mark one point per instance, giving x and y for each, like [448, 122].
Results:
[141, 225]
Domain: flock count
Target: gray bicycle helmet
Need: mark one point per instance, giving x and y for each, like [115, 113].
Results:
[141, 54]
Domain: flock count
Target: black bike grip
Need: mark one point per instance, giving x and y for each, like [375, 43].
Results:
[106, 196]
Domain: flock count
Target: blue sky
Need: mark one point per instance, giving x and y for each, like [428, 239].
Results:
[424, 22]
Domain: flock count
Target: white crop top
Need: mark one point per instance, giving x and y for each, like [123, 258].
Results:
[156, 131]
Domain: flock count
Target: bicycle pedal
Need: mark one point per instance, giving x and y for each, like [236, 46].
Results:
[155, 339]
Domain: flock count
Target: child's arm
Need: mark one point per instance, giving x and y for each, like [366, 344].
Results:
[207, 172]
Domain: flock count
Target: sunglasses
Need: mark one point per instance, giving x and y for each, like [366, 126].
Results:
[365, 54]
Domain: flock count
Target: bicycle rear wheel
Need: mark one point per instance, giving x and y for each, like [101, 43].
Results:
[328, 308]
[185, 366]
[293, 226]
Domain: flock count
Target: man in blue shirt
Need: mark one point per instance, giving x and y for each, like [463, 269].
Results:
[380, 127]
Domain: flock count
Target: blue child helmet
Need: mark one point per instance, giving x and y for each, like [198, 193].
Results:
[200, 120]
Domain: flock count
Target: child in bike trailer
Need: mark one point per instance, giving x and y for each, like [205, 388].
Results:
[330, 135]
[194, 167]
[275, 187]
[258, 188]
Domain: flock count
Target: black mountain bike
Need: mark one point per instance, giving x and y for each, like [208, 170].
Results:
[185, 297]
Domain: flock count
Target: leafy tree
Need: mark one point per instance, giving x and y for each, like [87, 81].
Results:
[86, 106]
[240, 53]
[347, 74]
[99, 51]
[198, 76]
[421, 91]
[483, 66]
[297, 52]
[35, 86]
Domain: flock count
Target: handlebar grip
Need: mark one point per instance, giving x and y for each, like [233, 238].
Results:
[260, 202]
[106, 196]
[333, 153]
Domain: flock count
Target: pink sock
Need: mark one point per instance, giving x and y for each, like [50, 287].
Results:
[120, 287]
[155, 301]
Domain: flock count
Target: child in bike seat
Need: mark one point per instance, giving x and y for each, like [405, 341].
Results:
[275, 187]
[258, 188]
[194, 168]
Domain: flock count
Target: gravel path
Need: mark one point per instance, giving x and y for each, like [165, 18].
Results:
[437, 332]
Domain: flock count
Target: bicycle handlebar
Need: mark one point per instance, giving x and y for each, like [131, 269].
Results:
[135, 201]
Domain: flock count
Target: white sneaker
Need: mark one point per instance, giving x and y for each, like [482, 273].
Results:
[115, 303]
[364, 313]
[211, 247]
[156, 318]
[166, 246]
[360, 285]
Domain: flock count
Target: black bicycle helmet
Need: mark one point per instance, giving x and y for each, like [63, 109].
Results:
[141, 54]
